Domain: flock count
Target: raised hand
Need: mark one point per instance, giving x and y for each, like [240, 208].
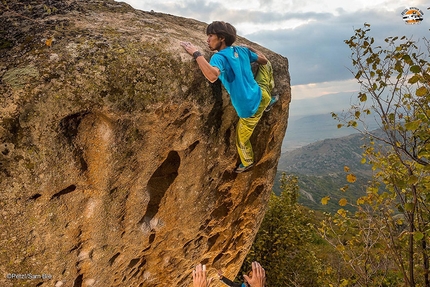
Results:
[258, 278]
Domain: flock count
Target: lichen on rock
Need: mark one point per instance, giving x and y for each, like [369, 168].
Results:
[18, 77]
[117, 156]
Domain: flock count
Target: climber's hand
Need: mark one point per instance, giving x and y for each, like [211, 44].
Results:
[190, 48]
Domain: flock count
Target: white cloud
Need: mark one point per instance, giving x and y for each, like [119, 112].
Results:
[315, 90]
[310, 33]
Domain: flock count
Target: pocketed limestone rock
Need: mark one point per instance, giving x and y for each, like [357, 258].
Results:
[117, 156]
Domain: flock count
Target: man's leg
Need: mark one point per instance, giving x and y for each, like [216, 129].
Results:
[246, 126]
[265, 80]
[264, 77]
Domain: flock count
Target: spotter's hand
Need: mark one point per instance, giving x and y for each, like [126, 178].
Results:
[199, 277]
[258, 278]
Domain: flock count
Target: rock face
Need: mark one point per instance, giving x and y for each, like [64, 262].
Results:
[117, 155]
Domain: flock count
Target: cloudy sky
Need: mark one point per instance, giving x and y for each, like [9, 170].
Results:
[310, 33]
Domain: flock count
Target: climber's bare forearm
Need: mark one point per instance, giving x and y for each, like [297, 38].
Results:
[211, 73]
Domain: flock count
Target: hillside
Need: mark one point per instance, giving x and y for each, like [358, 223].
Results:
[320, 169]
[325, 157]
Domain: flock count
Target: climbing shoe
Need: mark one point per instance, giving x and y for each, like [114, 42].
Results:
[274, 99]
[241, 168]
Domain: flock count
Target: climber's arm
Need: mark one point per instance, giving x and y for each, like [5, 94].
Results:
[262, 60]
[211, 73]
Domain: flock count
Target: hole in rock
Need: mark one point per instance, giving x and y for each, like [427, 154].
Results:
[69, 126]
[78, 281]
[235, 260]
[142, 264]
[12, 126]
[221, 211]
[192, 147]
[254, 195]
[205, 261]
[217, 258]
[238, 240]
[187, 246]
[64, 191]
[35, 196]
[212, 241]
[151, 238]
[75, 247]
[112, 260]
[159, 183]
[83, 163]
[237, 223]
[133, 262]
[228, 176]
[135, 274]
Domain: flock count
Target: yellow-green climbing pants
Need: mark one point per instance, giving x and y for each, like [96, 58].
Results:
[246, 126]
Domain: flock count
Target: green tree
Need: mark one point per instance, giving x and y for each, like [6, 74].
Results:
[394, 213]
[361, 240]
[284, 240]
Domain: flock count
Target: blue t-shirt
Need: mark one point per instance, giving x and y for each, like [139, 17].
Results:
[234, 63]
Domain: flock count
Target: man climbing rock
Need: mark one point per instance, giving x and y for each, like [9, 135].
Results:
[232, 65]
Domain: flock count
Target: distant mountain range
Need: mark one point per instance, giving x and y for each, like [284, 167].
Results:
[320, 169]
[325, 157]
[316, 151]
[310, 120]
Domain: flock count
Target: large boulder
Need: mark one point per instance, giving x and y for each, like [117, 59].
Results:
[117, 156]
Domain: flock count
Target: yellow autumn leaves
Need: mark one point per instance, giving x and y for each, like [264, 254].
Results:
[342, 201]
[325, 200]
[351, 178]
